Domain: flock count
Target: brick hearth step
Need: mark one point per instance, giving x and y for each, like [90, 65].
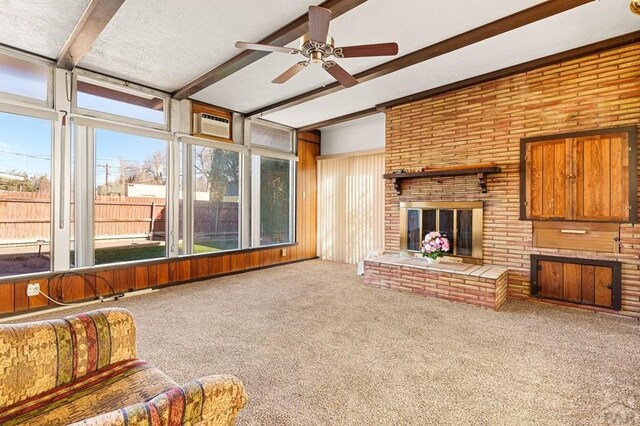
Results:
[478, 285]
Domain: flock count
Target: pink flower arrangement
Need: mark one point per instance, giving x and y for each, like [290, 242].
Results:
[434, 245]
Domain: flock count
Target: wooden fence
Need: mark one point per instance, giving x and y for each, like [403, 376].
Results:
[25, 217]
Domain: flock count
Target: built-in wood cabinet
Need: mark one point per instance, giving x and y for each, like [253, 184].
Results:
[584, 176]
[582, 281]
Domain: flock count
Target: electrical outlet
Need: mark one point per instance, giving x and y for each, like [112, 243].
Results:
[33, 289]
[283, 252]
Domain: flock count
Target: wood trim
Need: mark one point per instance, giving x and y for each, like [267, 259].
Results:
[352, 154]
[312, 136]
[149, 262]
[341, 119]
[632, 131]
[567, 55]
[281, 37]
[201, 107]
[492, 29]
[5, 315]
[94, 19]
[616, 291]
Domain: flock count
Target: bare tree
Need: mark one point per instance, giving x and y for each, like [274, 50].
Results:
[155, 168]
[130, 173]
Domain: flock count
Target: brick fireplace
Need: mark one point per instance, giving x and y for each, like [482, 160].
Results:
[484, 123]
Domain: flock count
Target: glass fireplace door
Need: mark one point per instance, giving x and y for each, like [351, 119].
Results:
[460, 222]
[464, 232]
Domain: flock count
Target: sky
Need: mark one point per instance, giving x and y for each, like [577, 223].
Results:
[25, 146]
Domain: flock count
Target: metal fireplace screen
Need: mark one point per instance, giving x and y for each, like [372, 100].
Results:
[460, 222]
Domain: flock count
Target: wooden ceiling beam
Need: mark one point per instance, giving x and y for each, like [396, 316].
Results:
[519, 19]
[281, 37]
[567, 55]
[556, 58]
[340, 119]
[94, 19]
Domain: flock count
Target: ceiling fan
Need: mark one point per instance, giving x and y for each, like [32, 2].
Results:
[317, 45]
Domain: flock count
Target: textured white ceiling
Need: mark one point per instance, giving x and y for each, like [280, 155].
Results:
[413, 24]
[165, 44]
[587, 24]
[39, 26]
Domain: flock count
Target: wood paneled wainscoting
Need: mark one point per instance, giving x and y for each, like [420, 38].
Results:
[82, 284]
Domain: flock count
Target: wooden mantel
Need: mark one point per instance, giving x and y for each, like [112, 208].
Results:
[482, 170]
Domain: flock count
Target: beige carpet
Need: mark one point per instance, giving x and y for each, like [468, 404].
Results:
[313, 346]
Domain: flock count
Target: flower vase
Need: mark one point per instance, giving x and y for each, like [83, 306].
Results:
[431, 261]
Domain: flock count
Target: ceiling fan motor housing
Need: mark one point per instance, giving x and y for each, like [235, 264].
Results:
[315, 50]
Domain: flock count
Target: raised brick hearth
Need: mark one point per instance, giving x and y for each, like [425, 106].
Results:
[483, 286]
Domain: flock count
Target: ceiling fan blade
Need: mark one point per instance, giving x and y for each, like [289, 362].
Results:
[380, 49]
[285, 76]
[340, 74]
[265, 47]
[319, 19]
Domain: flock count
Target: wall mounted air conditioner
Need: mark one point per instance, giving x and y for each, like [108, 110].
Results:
[211, 125]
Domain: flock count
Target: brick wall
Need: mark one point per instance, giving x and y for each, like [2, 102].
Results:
[485, 122]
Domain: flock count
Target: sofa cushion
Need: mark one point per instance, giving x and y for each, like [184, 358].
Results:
[114, 386]
[210, 401]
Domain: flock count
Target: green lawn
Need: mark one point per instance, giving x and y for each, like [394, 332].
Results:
[149, 251]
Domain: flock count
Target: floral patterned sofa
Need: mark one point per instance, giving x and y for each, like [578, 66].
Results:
[84, 369]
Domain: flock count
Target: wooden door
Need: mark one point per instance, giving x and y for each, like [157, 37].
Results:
[601, 183]
[547, 166]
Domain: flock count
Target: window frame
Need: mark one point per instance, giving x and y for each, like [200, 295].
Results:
[124, 87]
[11, 97]
[275, 151]
[54, 199]
[85, 130]
[255, 155]
[187, 143]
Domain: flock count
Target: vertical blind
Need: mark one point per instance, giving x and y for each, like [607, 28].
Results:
[350, 207]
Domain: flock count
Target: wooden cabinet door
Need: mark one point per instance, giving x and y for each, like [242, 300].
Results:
[550, 279]
[547, 166]
[572, 282]
[601, 184]
[581, 281]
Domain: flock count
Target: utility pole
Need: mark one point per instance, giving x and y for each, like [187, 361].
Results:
[106, 176]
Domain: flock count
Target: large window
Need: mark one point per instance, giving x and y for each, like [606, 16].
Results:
[272, 208]
[25, 194]
[104, 173]
[216, 199]
[130, 197]
[272, 183]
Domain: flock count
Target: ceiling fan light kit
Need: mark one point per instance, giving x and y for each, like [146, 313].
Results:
[635, 6]
[317, 46]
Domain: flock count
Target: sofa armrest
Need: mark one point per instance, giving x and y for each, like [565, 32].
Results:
[211, 400]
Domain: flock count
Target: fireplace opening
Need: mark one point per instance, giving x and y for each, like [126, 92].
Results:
[460, 222]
